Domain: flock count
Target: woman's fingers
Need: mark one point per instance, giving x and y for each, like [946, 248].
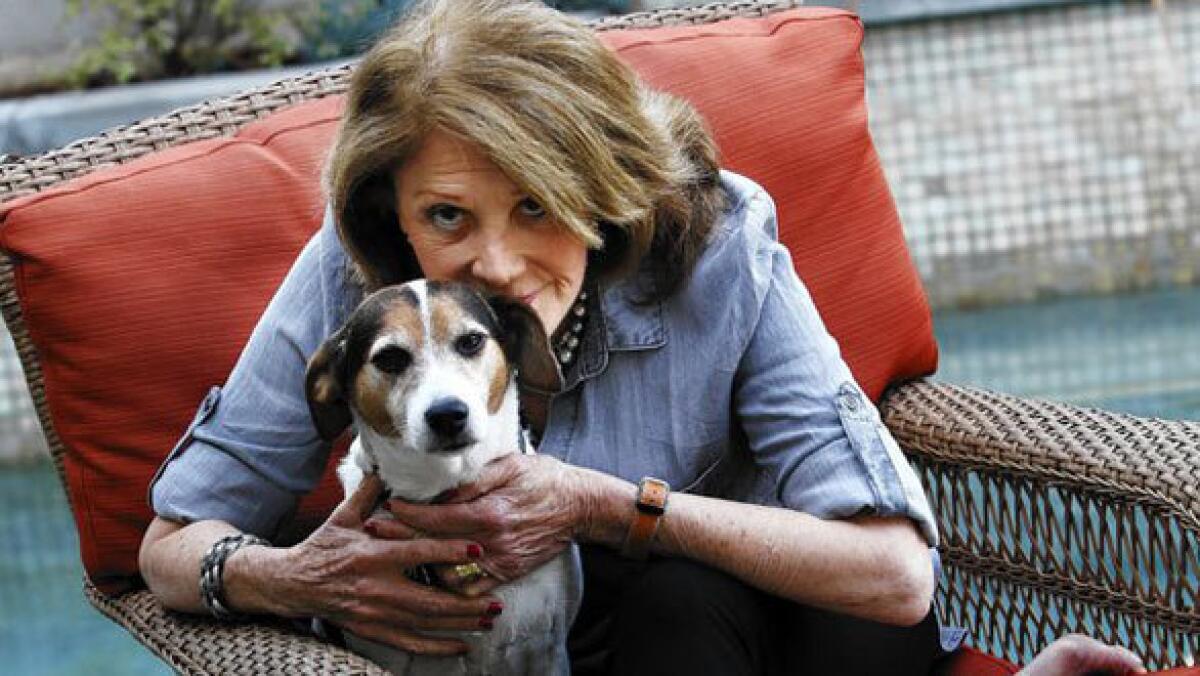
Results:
[532, 512]
[453, 519]
[425, 602]
[477, 614]
[359, 505]
[412, 553]
[481, 623]
[497, 473]
[481, 586]
[406, 639]
[388, 527]
[395, 600]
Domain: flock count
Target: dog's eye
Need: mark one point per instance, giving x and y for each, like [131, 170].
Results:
[469, 344]
[392, 360]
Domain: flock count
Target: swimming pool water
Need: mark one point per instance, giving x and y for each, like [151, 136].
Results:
[1137, 353]
[46, 625]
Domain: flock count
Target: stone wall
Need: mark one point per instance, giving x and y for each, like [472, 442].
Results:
[1043, 152]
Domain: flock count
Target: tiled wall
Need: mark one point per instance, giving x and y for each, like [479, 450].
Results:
[1043, 152]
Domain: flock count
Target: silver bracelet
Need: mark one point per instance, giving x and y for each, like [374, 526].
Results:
[212, 572]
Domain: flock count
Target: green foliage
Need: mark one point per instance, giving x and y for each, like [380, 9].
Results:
[151, 39]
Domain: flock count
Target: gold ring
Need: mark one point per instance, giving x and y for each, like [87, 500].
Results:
[469, 572]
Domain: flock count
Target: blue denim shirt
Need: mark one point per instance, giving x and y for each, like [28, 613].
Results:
[732, 388]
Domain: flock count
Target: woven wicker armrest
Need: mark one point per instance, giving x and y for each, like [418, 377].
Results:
[1056, 519]
[197, 645]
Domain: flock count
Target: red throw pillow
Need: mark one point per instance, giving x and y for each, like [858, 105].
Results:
[784, 96]
[140, 283]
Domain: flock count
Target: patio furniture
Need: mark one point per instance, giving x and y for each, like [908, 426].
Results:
[1054, 518]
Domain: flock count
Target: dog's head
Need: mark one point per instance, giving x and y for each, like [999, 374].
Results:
[428, 364]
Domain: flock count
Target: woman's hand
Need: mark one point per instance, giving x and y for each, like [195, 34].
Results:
[523, 509]
[343, 574]
[1077, 655]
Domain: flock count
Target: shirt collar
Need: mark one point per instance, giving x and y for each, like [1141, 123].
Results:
[628, 323]
[616, 321]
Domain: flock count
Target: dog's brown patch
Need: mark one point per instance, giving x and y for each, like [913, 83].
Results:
[445, 313]
[371, 404]
[499, 381]
[403, 318]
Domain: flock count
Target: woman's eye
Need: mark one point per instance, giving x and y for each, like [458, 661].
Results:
[529, 207]
[469, 344]
[392, 360]
[445, 216]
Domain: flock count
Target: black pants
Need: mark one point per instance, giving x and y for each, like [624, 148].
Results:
[673, 616]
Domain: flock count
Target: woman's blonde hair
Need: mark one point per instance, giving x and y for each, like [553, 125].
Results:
[551, 107]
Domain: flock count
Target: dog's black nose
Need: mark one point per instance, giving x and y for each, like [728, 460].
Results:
[447, 417]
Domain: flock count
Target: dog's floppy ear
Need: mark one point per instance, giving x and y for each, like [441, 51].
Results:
[323, 385]
[526, 345]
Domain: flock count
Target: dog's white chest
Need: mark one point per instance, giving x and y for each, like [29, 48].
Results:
[528, 638]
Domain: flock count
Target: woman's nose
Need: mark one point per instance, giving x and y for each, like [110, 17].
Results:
[497, 265]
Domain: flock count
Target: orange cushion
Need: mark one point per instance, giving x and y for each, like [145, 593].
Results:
[139, 286]
[140, 283]
[784, 97]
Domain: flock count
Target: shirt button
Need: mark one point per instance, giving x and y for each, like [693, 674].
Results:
[850, 399]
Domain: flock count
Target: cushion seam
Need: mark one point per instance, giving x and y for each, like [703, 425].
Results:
[707, 35]
[225, 143]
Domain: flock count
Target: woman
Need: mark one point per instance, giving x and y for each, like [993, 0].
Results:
[501, 144]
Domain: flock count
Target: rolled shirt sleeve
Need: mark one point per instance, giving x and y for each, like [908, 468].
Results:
[807, 422]
[252, 449]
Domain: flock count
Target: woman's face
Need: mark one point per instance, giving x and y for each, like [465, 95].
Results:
[466, 221]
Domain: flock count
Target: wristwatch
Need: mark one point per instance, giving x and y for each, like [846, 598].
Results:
[649, 506]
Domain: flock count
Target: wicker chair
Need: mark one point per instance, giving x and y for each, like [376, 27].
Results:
[1055, 518]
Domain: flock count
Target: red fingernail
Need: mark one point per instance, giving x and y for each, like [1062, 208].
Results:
[446, 495]
[485, 622]
[495, 609]
[474, 551]
[371, 528]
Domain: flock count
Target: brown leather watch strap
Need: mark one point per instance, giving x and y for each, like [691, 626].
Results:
[649, 507]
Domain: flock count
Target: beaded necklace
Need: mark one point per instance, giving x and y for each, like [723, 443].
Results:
[566, 348]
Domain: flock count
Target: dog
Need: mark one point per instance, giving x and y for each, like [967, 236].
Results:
[427, 373]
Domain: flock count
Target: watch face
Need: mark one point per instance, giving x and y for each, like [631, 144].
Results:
[652, 496]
